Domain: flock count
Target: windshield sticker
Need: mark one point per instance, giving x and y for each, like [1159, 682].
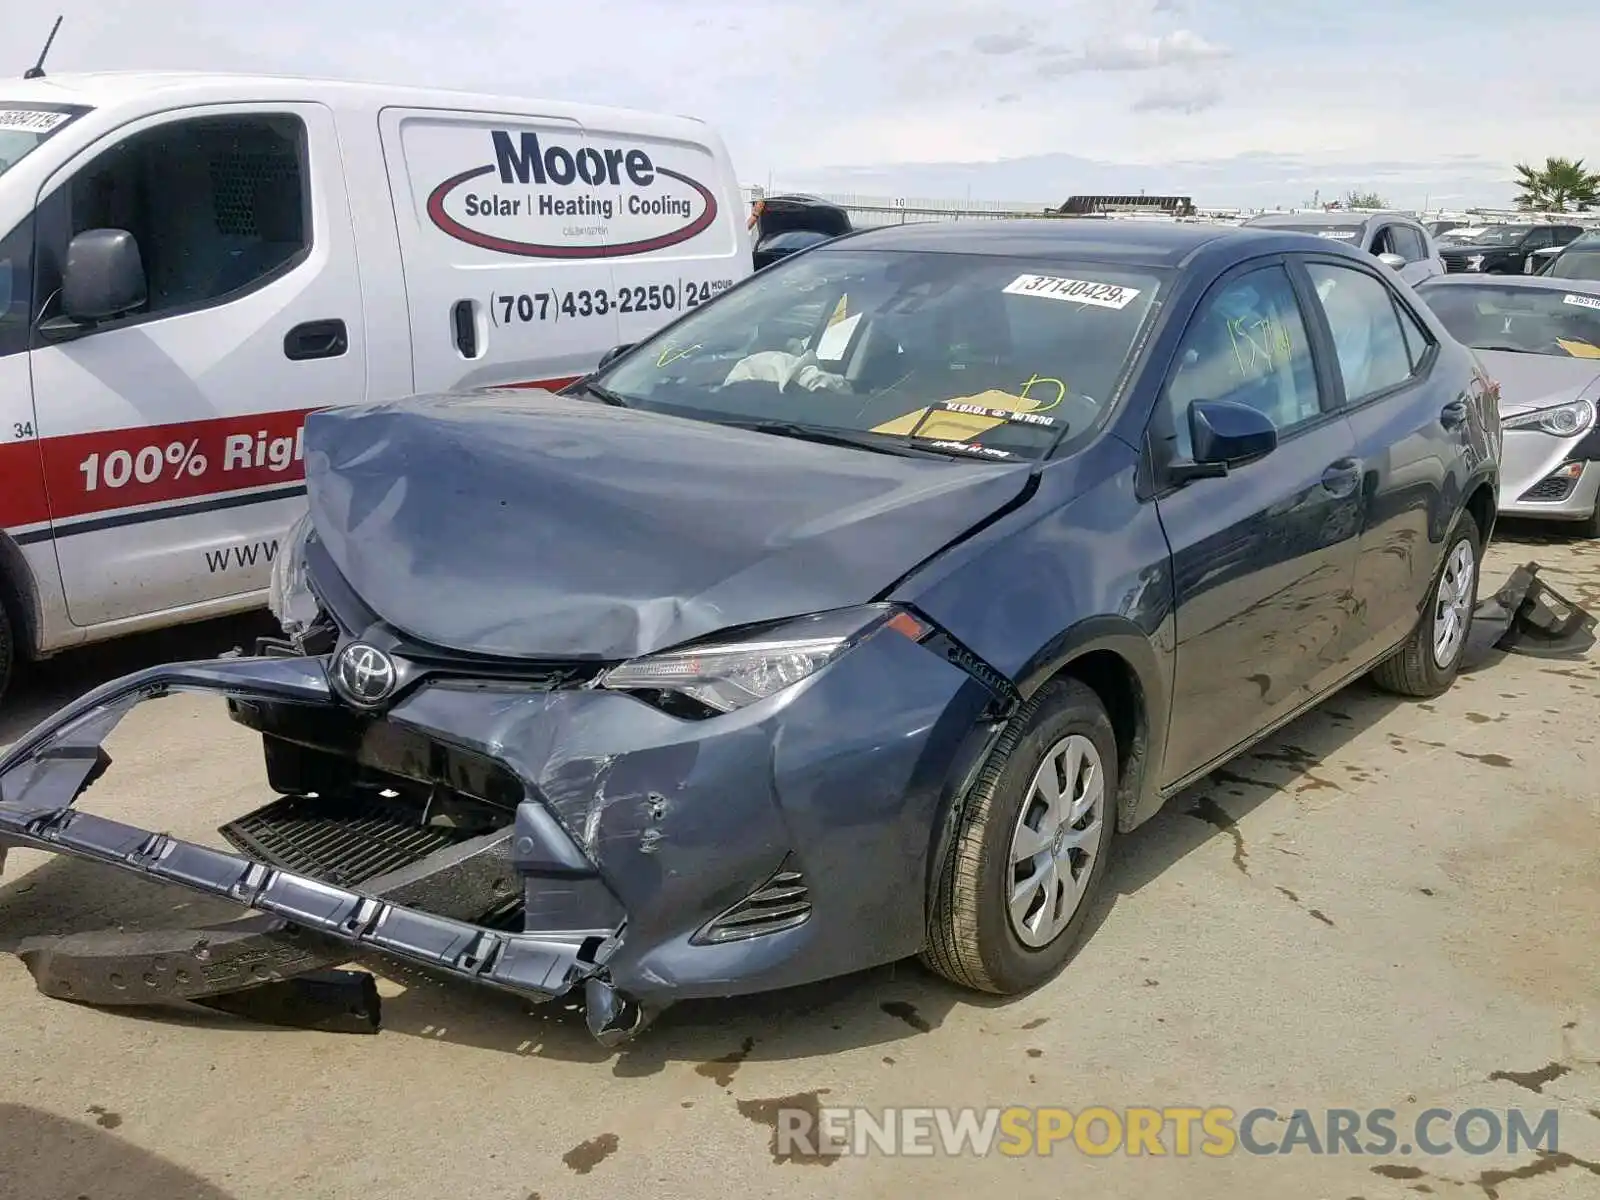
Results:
[1582, 301]
[32, 120]
[1578, 349]
[1010, 416]
[970, 448]
[1074, 291]
[1340, 235]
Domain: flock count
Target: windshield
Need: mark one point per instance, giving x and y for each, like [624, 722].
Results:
[1528, 320]
[24, 128]
[955, 354]
[1502, 235]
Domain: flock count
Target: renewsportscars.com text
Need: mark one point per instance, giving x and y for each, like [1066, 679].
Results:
[242, 557]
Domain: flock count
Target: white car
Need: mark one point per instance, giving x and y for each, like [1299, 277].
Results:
[1400, 241]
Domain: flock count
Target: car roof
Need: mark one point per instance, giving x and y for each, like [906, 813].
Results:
[1586, 287]
[1135, 243]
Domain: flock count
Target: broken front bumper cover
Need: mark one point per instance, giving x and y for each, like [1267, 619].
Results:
[44, 774]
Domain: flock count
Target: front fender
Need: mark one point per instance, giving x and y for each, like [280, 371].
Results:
[1083, 568]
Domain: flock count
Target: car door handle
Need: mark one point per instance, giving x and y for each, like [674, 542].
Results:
[316, 339]
[1342, 478]
[1453, 414]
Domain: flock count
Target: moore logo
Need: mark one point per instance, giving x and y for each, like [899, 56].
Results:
[544, 199]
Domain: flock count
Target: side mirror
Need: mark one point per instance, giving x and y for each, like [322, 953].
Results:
[616, 352]
[1393, 261]
[103, 279]
[1226, 435]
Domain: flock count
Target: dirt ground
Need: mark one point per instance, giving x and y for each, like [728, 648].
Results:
[1389, 905]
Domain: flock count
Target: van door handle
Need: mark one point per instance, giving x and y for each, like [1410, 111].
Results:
[316, 339]
[1453, 414]
[1342, 478]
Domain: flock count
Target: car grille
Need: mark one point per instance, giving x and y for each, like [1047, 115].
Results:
[783, 902]
[1554, 488]
[1455, 264]
[343, 841]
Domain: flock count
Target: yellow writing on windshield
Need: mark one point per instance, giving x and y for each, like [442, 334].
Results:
[674, 354]
[1034, 381]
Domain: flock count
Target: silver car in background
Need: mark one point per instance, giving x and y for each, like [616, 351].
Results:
[1540, 339]
[1399, 241]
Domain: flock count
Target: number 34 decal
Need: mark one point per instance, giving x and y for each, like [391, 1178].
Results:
[22, 429]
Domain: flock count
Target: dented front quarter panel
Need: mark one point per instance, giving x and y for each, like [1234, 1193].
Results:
[683, 818]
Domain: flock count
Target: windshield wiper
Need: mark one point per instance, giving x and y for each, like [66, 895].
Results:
[881, 443]
[604, 394]
[1506, 349]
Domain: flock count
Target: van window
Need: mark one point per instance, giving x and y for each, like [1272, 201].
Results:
[16, 289]
[217, 204]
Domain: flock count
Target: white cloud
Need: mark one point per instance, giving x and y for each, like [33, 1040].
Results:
[1136, 52]
[1189, 97]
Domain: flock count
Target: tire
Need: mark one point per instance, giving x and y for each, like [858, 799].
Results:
[973, 939]
[1589, 527]
[1415, 670]
[8, 650]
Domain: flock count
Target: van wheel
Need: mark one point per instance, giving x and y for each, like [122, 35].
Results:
[1427, 664]
[1030, 852]
[8, 650]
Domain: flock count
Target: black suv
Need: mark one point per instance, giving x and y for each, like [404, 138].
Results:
[1505, 249]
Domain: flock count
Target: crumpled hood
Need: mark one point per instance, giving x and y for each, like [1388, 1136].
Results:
[1530, 381]
[534, 525]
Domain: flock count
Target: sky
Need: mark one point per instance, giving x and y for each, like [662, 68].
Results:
[1237, 103]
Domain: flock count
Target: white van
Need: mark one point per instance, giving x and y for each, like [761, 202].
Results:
[191, 263]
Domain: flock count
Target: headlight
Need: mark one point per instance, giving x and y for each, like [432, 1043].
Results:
[1563, 420]
[290, 596]
[728, 675]
[1474, 262]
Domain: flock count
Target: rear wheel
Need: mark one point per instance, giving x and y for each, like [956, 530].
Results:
[1030, 852]
[8, 650]
[1427, 664]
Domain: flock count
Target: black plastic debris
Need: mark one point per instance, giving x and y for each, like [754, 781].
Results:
[1528, 616]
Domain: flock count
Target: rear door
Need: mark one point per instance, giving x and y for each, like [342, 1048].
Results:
[1264, 557]
[1411, 432]
[170, 437]
[504, 223]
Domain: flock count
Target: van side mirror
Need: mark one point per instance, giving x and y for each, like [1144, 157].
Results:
[611, 355]
[104, 277]
[1393, 261]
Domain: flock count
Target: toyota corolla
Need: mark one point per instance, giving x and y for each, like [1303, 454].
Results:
[849, 618]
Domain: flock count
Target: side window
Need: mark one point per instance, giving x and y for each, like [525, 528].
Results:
[1539, 238]
[216, 204]
[1408, 243]
[1381, 242]
[1565, 234]
[16, 288]
[1418, 340]
[1247, 344]
[1371, 346]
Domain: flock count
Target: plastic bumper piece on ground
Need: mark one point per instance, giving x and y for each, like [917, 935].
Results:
[45, 772]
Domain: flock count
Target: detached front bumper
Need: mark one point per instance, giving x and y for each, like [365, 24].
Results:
[649, 857]
[44, 774]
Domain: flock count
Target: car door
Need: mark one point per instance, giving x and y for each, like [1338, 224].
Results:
[170, 435]
[1410, 429]
[1264, 556]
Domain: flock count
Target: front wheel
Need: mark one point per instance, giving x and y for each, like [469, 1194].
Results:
[1430, 659]
[1031, 848]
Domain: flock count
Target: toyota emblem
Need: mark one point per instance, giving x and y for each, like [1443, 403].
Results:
[364, 673]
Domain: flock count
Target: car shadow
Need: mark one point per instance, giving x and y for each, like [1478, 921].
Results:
[43, 1156]
[41, 688]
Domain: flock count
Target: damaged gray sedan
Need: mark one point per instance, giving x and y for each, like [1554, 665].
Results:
[847, 619]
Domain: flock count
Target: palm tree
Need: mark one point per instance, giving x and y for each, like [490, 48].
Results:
[1560, 182]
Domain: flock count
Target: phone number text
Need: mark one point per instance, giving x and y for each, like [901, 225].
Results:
[527, 307]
